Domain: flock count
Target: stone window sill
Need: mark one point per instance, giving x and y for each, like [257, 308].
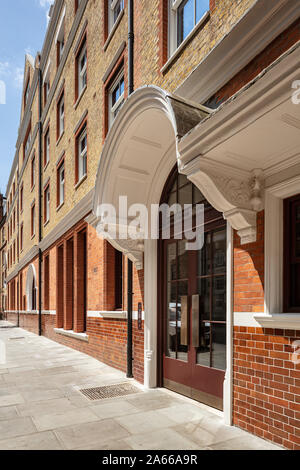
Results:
[60, 206]
[60, 138]
[283, 321]
[80, 181]
[118, 314]
[71, 334]
[79, 97]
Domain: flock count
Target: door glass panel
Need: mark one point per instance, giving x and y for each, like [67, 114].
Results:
[171, 262]
[185, 195]
[204, 257]
[203, 352]
[219, 252]
[219, 347]
[182, 350]
[197, 196]
[182, 180]
[172, 199]
[182, 260]
[171, 320]
[204, 292]
[219, 298]
[298, 240]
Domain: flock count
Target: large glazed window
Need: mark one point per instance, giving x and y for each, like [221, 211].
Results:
[184, 16]
[292, 254]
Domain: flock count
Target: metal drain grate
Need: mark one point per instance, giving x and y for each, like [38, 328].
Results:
[110, 391]
[16, 337]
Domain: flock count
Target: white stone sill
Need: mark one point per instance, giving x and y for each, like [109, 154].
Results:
[119, 315]
[80, 336]
[285, 321]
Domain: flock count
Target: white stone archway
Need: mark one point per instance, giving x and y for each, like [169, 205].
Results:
[141, 148]
[31, 288]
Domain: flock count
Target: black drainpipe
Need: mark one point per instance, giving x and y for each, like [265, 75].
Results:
[40, 131]
[129, 266]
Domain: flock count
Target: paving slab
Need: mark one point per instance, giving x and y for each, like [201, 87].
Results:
[55, 420]
[41, 407]
[37, 441]
[90, 434]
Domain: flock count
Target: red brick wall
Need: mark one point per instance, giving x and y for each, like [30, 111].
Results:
[267, 385]
[280, 45]
[249, 272]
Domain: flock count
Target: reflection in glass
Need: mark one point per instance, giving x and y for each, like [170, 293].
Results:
[197, 196]
[182, 260]
[203, 352]
[182, 350]
[204, 292]
[204, 257]
[185, 195]
[171, 321]
[171, 262]
[298, 240]
[219, 252]
[219, 347]
[219, 299]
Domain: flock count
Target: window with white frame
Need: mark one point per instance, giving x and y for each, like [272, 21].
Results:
[47, 204]
[116, 98]
[46, 83]
[61, 116]
[60, 37]
[82, 154]
[184, 15]
[61, 184]
[82, 69]
[115, 7]
[47, 147]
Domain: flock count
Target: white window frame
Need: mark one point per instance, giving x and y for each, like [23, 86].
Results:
[61, 115]
[60, 35]
[47, 197]
[33, 171]
[61, 182]
[47, 79]
[27, 143]
[112, 108]
[33, 220]
[47, 146]
[112, 4]
[82, 155]
[173, 26]
[82, 74]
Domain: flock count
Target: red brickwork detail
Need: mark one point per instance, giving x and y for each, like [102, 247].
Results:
[267, 385]
[163, 32]
[249, 272]
[80, 281]
[68, 284]
[280, 45]
[60, 287]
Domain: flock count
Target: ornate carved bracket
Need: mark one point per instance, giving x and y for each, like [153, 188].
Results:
[239, 195]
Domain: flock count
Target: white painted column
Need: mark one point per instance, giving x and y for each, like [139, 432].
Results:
[228, 382]
[150, 325]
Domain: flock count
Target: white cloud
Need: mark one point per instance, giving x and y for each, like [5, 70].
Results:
[18, 75]
[46, 3]
[4, 68]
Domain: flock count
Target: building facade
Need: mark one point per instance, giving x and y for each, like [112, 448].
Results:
[3, 259]
[213, 119]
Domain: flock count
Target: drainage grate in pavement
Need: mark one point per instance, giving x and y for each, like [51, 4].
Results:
[16, 337]
[110, 391]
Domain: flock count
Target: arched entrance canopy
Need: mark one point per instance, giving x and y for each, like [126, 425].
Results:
[141, 148]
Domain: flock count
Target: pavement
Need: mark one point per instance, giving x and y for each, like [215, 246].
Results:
[41, 407]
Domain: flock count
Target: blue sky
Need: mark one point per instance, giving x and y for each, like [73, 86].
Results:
[23, 25]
